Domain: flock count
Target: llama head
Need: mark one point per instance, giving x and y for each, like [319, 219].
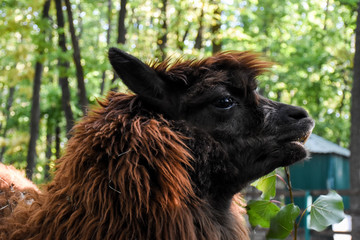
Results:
[217, 95]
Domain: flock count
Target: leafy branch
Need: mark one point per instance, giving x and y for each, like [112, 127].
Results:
[282, 221]
[287, 172]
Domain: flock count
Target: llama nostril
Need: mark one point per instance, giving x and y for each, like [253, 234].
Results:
[297, 113]
[288, 113]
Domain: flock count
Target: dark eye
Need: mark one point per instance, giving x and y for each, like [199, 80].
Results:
[224, 102]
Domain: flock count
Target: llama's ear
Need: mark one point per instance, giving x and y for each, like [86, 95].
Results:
[138, 76]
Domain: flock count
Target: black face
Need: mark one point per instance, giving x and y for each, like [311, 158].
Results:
[272, 134]
[223, 113]
[217, 96]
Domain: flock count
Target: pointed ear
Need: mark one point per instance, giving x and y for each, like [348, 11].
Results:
[139, 77]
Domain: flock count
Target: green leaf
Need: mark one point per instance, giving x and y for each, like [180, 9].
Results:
[326, 210]
[266, 184]
[282, 224]
[261, 212]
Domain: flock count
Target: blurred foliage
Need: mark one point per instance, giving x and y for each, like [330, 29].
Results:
[311, 42]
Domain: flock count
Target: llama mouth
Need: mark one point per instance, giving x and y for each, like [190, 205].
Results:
[302, 140]
[300, 136]
[298, 139]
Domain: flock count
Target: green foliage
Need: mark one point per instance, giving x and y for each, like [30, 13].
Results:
[282, 224]
[311, 43]
[267, 185]
[326, 210]
[261, 212]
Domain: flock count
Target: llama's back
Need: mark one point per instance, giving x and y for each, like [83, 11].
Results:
[11, 178]
[16, 193]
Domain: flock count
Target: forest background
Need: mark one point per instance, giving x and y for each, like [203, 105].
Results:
[53, 63]
[53, 59]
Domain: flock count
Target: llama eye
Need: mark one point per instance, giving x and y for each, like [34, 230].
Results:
[224, 102]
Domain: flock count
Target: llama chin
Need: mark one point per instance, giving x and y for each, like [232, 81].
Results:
[168, 160]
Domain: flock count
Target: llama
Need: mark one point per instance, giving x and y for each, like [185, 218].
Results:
[14, 186]
[168, 161]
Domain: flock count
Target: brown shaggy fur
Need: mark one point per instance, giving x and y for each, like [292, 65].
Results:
[14, 187]
[101, 191]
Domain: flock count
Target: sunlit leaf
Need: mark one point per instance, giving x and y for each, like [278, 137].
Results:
[266, 184]
[260, 212]
[326, 210]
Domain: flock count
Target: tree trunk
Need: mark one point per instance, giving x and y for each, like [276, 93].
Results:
[162, 40]
[108, 32]
[215, 29]
[63, 66]
[7, 117]
[57, 141]
[355, 135]
[121, 31]
[48, 153]
[180, 40]
[35, 106]
[77, 60]
[121, 23]
[34, 121]
[199, 36]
